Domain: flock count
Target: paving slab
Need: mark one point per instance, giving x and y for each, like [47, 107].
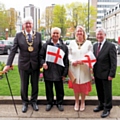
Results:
[8, 118]
[55, 113]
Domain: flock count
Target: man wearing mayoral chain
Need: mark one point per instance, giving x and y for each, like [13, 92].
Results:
[29, 44]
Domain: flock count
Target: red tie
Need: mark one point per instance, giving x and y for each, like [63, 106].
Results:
[98, 49]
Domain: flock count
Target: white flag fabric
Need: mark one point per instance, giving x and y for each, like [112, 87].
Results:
[89, 59]
[55, 55]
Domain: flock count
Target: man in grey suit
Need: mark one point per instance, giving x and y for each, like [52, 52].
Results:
[29, 44]
[104, 71]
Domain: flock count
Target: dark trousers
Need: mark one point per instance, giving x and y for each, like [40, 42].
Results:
[25, 75]
[104, 92]
[58, 89]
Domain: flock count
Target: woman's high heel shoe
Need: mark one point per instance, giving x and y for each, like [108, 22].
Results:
[76, 107]
[82, 107]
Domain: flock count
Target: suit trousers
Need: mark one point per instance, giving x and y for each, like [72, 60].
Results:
[50, 93]
[26, 76]
[104, 92]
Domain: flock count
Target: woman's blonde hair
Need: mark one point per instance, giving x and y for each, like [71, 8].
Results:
[84, 35]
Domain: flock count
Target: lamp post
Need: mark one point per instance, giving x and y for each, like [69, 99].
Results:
[88, 17]
[104, 10]
[6, 33]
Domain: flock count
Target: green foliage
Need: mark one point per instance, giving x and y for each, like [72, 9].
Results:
[59, 18]
[2, 64]
[79, 14]
[2, 37]
[3, 20]
[12, 21]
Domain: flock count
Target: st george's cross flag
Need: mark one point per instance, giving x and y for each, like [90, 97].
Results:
[55, 55]
[89, 59]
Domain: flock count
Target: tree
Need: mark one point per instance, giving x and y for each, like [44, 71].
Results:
[78, 14]
[3, 20]
[12, 21]
[49, 18]
[59, 18]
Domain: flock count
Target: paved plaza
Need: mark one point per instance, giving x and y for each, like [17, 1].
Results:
[7, 111]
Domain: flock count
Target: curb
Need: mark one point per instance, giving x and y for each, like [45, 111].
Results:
[68, 100]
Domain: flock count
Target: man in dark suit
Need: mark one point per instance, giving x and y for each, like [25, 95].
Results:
[29, 44]
[104, 71]
[54, 59]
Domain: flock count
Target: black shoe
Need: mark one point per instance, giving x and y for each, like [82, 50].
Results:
[60, 107]
[105, 113]
[24, 107]
[49, 107]
[97, 109]
[35, 106]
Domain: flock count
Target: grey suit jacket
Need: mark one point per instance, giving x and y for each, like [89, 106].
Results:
[26, 58]
[106, 61]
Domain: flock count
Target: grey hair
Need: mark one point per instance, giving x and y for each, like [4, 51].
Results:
[55, 28]
[100, 29]
[27, 19]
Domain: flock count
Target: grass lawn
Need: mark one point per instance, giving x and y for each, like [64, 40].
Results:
[14, 80]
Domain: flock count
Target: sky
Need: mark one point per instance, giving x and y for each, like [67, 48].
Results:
[19, 4]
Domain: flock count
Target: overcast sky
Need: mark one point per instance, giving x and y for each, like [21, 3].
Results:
[19, 4]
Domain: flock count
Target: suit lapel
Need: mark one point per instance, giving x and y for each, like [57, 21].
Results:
[103, 48]
[96, 46]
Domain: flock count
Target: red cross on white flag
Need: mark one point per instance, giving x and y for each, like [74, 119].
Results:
[89, 59]
[55, 55]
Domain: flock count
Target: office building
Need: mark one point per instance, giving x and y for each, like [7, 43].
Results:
[111, 22]
[102, 6]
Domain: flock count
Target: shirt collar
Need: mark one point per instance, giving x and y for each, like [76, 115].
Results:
[28, 33]
[58, 42]
[102, 42]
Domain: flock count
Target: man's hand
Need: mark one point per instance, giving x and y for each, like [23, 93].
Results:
[6, 69]
[110, 78]
[63, 78]
[45, 66]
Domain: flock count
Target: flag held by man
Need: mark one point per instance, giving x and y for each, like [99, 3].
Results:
[55, 55]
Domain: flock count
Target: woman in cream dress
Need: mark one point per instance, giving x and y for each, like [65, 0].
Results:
[78, 48]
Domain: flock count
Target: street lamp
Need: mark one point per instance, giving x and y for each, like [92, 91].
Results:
[88, 17]
[6, 33]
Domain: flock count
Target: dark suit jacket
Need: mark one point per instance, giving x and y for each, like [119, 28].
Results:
[25, 57]
[106, 61]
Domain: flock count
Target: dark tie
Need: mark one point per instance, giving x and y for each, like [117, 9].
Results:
[29, 38]
[98, 49]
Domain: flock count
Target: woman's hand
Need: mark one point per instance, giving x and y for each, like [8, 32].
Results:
[80, 62]
[74, 63]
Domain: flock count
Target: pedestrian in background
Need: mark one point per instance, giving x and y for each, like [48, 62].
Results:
[29, 44]
[78, 48]
[104, 71]
[54, 60]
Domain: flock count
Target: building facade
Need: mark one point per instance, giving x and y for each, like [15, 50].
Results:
[102, 6]
[34, 12]
[111, 22]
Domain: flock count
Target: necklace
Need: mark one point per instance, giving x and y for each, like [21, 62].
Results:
[30, 47]
[79, 44]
